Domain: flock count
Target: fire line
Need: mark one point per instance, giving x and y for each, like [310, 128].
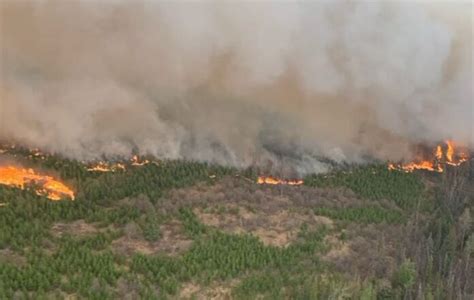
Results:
[446, 153]
[277, 181]
[44, 185]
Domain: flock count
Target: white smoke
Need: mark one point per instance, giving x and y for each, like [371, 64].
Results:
[236, 82]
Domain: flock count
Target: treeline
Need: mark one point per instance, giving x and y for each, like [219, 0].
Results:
[375, 183]
[442, 248]
[150, 180]
[434, 259]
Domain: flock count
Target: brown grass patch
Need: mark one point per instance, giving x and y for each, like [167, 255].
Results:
[276, 228]
[172, 242]
[370, 250]
[338, 249]
[215, 291]
[76, 228]
[10, 257]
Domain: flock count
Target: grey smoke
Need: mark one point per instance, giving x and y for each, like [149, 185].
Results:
[240, 83]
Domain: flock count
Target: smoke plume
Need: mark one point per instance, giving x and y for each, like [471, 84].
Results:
[236, 82]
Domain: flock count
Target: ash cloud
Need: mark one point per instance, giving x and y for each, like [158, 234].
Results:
[282, 84]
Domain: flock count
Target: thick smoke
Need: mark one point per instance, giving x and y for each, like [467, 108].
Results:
[240, 83]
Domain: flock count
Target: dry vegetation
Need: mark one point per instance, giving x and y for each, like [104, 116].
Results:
[173, 241]
[208, 236]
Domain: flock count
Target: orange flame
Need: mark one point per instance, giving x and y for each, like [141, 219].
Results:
[105, 167]
[110, 167]
[276, 181]
[423, 165]
[439, 152]
[47, 186]
[136, 161]
[100, 167]
[455, 155]
[452, 155]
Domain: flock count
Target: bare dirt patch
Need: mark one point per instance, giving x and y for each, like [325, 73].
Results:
[76, 228]
[242, 193]
[275, 214]
[276, 228]
[11, 257]
[369, 250]
[189, 290]
[172, 242]
[338, 249]
[215, 291]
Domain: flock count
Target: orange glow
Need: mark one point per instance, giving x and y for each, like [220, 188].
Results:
[446, 153]
[439, 152]
[100, 167]
[456, 155]
[450, 151]
[113, 167]
[105, 167]
[136, 161]
[46, 185]
[423, 165]
[276, 181]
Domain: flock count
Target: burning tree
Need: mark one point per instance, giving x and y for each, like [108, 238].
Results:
[435, 159]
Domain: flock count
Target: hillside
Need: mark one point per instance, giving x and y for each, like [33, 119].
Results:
[186, 230]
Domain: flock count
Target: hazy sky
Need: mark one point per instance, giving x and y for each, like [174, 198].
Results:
[236, 82]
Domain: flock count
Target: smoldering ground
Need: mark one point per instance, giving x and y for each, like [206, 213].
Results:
[237, 83]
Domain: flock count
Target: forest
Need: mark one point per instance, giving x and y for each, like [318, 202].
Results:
[189, 230]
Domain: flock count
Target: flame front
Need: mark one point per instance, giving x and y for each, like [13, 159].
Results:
[105, 167]
[46, 185]
[277, 181]
[447, 153]
[136, 161]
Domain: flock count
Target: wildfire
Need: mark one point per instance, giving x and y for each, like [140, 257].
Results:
[105, 167]
[446, 153]
[45, 185]
[100, 167]
[277, 181]
[137, 162]
[113, 167]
